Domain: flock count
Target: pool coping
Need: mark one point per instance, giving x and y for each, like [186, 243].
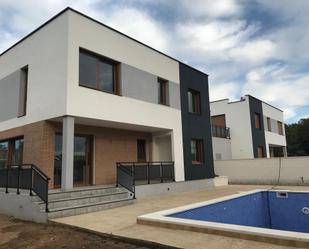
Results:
[160, 218]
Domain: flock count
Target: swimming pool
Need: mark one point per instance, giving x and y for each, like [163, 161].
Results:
[279, 215]
[287, 211]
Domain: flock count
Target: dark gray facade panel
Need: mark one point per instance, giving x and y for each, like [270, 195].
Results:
[10, 96]
[141, 85]
[258, 135]
[196, 126]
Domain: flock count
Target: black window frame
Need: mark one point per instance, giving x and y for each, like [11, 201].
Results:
[100, 58]
[11, 142]
[259, 126]
[196, 102]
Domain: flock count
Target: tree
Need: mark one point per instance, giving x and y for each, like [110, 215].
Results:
[297, 136]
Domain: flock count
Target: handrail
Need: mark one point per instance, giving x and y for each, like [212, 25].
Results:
[26, 176]
[147, 172]
[125, 178]
[220, 131]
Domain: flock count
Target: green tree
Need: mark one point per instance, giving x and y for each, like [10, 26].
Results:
[297, 136]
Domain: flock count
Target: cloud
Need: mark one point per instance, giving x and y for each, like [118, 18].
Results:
[262, 52]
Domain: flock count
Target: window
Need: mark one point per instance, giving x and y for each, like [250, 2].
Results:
[194, 102]
[197, 151]
[257, 121]
[260, 151]
[97, 72]
[268, 124]
[141, 150]
[280, 128]
[11, 152]
[23, 92]
[163, 91]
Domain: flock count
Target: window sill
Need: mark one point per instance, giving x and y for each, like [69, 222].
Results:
[197, 163]
[99, 90]
[195, 113]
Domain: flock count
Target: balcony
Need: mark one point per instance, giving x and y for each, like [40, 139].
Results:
[220, 131]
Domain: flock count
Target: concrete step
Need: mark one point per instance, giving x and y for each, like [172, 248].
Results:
[84, 200]
[87, 208]
[75, 193]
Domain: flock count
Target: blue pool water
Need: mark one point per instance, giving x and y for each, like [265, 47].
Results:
[262, 209]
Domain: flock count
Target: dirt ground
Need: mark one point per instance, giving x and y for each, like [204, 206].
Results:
[16, 234]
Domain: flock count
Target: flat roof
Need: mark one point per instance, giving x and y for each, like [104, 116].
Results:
[98, 22]
[231, 102]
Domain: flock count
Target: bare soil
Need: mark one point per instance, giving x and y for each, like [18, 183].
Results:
[17, 234]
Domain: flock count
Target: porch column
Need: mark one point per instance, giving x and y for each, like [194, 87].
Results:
[67, 153]
[285, 152]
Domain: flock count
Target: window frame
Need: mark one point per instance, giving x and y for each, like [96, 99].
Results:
[163, 89]
[196, 102]
[280, 127]
[22, 108]
[145, 150]
[100, 58]
[11, 148]
[268, 124]
[199, 147]
[258, 124]
[260, 147]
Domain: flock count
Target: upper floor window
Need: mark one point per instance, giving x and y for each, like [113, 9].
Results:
[163, 91]
[22, 107]
[257, 120]
[268, 124]
[97, 72]
[197, 151]
[280, 128]
[194, 101]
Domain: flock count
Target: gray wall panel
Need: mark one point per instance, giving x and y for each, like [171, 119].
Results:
[141, 85]
[9, 96]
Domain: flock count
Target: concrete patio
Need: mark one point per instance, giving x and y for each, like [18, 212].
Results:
[122, 221]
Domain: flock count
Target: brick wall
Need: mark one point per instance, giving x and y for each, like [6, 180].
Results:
[110, 146]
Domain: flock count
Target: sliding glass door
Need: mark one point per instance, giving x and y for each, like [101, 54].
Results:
[82, 160]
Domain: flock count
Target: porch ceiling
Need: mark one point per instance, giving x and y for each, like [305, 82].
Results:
[112, 124]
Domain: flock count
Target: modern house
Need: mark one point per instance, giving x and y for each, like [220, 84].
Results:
[248, 128]
[78, 98]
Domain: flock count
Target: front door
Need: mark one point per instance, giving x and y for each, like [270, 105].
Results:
[82, 173]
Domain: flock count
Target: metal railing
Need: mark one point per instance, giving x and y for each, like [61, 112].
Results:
[220, 131]
[130, 174]
[27, 177]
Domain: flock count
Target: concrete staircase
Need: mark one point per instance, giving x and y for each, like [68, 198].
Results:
[85, 200]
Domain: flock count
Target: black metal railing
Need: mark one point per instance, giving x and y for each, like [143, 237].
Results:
[220, 131]
[130, 174]
[27, 177]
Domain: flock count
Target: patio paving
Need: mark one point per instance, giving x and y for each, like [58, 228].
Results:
[122, 221]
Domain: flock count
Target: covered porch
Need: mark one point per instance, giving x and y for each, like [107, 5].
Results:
[89, 152]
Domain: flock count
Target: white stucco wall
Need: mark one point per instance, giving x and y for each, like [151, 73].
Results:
[294, 170]
[237, 115]
[88, 103]
[273, 138]
[45, 53]
[221, 148]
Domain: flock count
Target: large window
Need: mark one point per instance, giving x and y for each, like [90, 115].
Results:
[98, 72]
[257, 120]
[11, 152]
[194, 102]
[163, 91]
[197, 151]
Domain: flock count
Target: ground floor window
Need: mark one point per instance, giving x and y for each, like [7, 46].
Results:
[197, 151]
[260, 151]
[11, 152]
[141, 150]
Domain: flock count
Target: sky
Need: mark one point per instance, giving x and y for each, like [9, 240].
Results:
[257, 47]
